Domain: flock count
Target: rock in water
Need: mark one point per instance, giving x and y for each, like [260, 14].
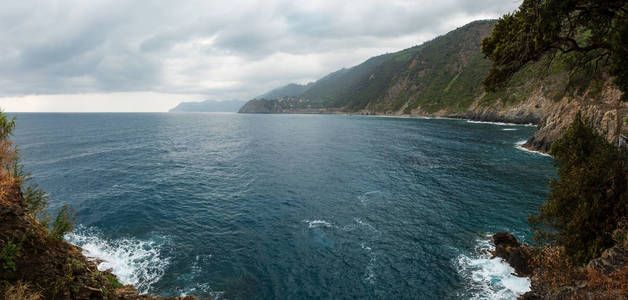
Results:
[508, 248]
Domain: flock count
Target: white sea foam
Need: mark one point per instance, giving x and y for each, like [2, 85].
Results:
[499, 123]
[365, 224]
[369, 274]
[318, 223]
[133, 261]
[488, 278]
[519, 145]
[509, 129]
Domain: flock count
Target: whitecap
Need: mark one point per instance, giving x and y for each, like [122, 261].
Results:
[509, 129]
[499, 123]
[519, 145]
[318, 223]
[135, 262]
[488, 278]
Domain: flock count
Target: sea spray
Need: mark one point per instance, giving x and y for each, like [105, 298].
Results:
[519, 145]
[133, 261]
[318, 223]
[500, 123]
[488, 278]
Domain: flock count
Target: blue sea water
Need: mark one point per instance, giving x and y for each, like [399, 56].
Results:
[290, 206]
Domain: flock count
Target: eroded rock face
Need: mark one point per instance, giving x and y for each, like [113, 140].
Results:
[508, 248]
[529, 111]
[605, 113]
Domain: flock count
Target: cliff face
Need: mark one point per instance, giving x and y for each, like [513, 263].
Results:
[604, 112]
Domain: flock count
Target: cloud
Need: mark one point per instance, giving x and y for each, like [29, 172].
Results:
[221, 49]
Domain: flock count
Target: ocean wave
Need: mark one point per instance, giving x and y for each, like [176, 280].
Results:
[318, 223]
[509, 129]
[133, 261]
[499, 123]
[488, 278]
[519, 145]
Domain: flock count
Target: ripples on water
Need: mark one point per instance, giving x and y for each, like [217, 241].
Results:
[290, 206]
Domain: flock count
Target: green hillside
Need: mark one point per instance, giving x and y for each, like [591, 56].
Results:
[442, 76]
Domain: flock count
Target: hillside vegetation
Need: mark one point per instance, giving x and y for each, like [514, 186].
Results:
[440, 76]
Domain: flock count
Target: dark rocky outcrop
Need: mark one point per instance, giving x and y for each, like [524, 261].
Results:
[508, 248]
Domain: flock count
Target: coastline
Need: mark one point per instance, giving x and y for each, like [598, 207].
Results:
[498, 121]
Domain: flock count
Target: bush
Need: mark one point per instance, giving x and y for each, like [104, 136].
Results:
[36, 203]
[588, 199]
[62, 223]
[113, 280]
[8, 252]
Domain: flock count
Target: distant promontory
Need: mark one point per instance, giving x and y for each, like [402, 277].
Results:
[209, 106]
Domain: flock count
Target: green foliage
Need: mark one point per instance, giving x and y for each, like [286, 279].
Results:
[74, 265]
[6, 126]
[8, 252]
[589, 198]
[36, 202]
[113, 280]
[595, 32]
[440, 74]
[619, 50]
[62, 223]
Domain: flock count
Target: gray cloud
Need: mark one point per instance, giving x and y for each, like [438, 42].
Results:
[223, 49]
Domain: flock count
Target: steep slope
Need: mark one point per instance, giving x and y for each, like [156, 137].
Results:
[434, 74]
[443, 77]
[289, 90]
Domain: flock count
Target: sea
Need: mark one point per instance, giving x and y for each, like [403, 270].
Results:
[239, 206]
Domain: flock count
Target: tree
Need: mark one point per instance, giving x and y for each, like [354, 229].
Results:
[588, 199]
[595, 31]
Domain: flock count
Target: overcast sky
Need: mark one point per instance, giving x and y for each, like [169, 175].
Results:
[149, 55]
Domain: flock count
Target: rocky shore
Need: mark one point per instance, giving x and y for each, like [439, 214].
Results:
[601, 278]
[35, 266]
[604, 111]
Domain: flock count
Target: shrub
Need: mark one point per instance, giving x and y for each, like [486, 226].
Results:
[113, 280]
[9, 251]
[62, 223]
[588, 199]
[36, 202]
